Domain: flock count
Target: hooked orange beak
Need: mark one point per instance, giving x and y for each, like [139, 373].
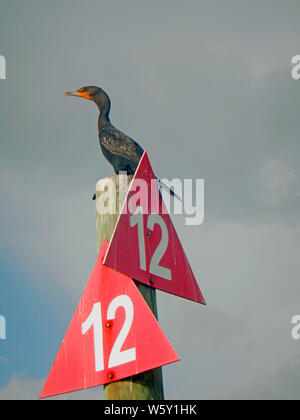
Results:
[78, 93]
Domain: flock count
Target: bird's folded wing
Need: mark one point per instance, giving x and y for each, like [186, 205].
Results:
[119, 144]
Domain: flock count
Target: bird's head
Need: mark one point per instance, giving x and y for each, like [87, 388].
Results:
[95, 94]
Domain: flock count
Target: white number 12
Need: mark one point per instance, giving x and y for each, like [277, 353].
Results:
[153, 219]
[117, 357]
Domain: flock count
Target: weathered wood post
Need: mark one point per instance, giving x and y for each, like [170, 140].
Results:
[147, 385]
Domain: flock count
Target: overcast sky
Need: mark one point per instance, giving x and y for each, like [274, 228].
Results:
[205, 87]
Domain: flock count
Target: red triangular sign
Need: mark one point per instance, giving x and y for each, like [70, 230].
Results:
[112, 335]
[145, 245]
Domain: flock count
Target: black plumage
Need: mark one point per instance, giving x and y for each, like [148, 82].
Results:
[122, 152]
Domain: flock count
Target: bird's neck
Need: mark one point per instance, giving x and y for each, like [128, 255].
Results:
[103, 119]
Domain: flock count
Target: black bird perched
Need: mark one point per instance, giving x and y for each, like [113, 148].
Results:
[122, 152]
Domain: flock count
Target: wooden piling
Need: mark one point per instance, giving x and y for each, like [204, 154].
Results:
[147, 385]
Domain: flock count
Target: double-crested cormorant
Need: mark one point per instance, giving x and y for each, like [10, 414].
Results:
[122, 152]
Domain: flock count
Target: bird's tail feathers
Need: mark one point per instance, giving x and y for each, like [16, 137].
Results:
[171, 191]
